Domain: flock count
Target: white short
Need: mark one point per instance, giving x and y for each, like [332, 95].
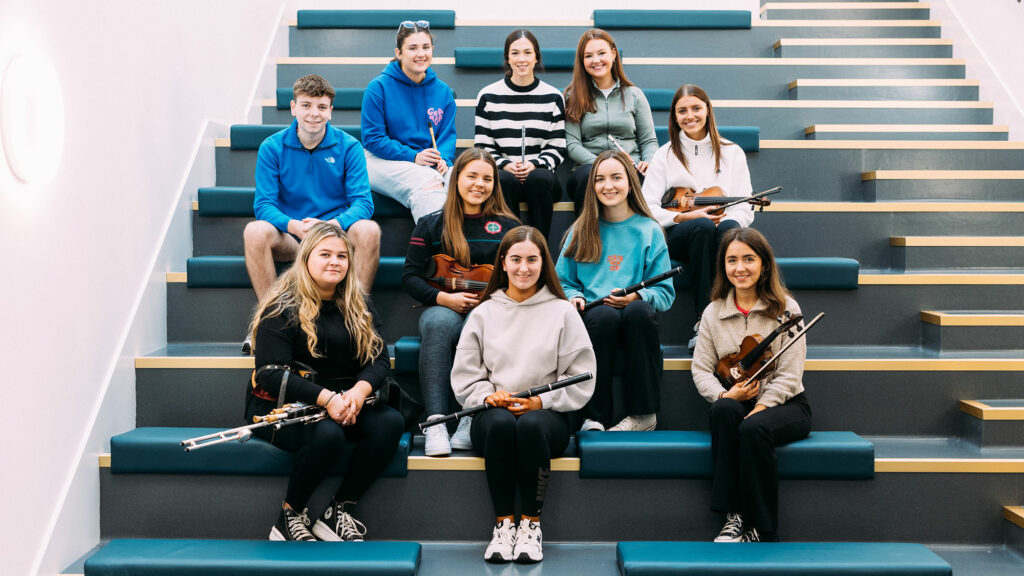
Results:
[422, 189]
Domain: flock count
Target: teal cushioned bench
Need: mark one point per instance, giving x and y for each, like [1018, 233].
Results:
[672, 19]
[746, 137]
[812, 273]
[237, 201]
[253, 558]
[229, 272]
[250, 136]
[687, 454]
[158, 451]
[493, 58]
[779, 559]
[384, 19]
[344, 98]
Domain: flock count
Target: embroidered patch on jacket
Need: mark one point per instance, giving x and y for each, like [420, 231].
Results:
[614, 262]
[493, 227]
[330, 159]
[435, 115]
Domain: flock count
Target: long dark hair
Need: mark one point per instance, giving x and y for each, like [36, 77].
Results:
[404, 33]
[516, 35]
[453, 239]
[770, 287]
[579, 95]
[674, 129]
[499, 278]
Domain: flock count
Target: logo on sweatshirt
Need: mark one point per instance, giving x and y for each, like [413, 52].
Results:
[435, 115]
[615, 262]
[493, 227]
[329, 159]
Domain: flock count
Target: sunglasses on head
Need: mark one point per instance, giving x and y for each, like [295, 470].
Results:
[418, 25]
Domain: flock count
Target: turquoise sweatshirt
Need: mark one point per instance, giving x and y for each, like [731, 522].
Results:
[631, 251]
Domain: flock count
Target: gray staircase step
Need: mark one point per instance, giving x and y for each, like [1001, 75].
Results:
[916, 252]
[1014, 516]
[837, 11]
[993, 423]
[883, 89]
[944, 132]
[888, 185]
[863, 48]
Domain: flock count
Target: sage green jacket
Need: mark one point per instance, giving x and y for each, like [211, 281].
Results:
[631, 125]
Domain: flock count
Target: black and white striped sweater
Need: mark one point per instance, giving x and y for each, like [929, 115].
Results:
[504, 109]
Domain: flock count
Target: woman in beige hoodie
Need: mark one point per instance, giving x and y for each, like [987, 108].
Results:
[524, 333]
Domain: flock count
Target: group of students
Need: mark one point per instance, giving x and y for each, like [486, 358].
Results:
[530, 324]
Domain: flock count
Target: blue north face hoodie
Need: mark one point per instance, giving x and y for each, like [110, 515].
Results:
[396, 111]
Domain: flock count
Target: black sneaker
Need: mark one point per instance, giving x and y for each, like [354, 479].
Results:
[291, 526]
[336, 525]
[750, 535]
[732, 531]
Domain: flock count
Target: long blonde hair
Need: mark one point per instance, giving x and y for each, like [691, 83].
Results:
[585, 245]
[453, 239]
[295, 292]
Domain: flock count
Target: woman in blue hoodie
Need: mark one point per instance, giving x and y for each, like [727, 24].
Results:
[406, 109]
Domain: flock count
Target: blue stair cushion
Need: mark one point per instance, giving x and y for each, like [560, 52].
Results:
[229, 272]
[250, 136]
[237, 201]
[746, 137]
[779, 559]
[344, 98]
[254, 557]
[672, 19]
[385, 19]
[159, 451]
[494, 58]
[687, 454]
[814, 273]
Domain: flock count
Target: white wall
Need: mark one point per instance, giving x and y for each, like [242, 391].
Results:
[530, 9]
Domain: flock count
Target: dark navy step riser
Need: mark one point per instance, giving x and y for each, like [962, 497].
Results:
[1014, 537]
[761, 81]
[965, 93]
[894, 190]
[992, 433]
[843, 400]
[775, 123]
[576, 509]
[918, 257]
[756, 42]
[957, 338]
[987, 135]
[892, 51]
[847, 14]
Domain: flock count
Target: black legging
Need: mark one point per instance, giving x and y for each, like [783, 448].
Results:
[695, 243]
[634, 331]
[518, 451]
[746, 470]
[319, 446]
[539, 191]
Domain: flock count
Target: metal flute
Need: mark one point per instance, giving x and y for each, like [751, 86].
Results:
[635, 287]
[525, 394]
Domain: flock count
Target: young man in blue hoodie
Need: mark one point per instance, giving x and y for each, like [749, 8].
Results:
[307, 173]
[405, 110]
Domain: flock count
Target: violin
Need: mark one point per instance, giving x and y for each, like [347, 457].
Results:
[683, 199]
[446, 274]
[755, 352]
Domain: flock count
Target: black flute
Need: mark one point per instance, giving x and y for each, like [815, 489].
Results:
[525, 394]
[637, 286]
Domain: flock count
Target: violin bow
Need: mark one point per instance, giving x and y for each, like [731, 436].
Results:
[750, 198]
[801, 334]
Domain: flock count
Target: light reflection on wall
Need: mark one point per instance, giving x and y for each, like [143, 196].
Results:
[31, 118]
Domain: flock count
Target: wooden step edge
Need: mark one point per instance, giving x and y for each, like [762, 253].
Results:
[897, 128]
[880, 82]
[941, 279]
[951, 465]
[892, 145]
[1014, 514]
[846, 5]
[982, 411]
[104, 460]
[651, 61]
[558, 206]
[222, 142]
[201, 362]
[940, 318]
[957, 241]
[942, 175]
[862, 42]
[568, 464]
[846, 23]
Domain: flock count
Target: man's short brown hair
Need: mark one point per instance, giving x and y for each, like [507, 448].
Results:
[313, 86]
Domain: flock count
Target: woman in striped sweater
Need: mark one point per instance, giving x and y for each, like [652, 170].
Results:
[520, 121]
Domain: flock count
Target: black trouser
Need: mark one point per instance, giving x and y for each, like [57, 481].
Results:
[318, 446]
[518, 451]
[695, 243]
[578, 185]
[634, 330]
[539, 191]
[746, 470]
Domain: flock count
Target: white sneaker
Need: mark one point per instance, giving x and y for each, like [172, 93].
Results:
[503, 541]
[437, 439]
[589, 424]
[696, 334]
[732, 531]
[461, 439]
[528, 542]
[336, 525]
[642, 423]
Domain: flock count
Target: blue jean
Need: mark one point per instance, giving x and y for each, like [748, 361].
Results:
[440, 328]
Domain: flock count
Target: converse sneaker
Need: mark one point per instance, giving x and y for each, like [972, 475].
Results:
[437, 443]
[733, 529]
[461, 439]
[750, 535]
[642, 423]
[589, 424]
[336, 525]
[503, 540]
[290, 526]
[528, 542]
[247, 344]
